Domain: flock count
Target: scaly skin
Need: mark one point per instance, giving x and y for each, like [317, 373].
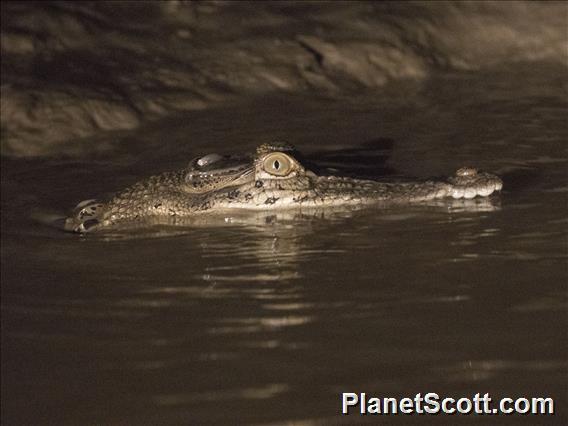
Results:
[272, 180]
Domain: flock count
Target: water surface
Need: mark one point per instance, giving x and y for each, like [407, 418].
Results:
[268, 320]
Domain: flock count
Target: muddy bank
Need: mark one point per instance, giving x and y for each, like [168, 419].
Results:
[72, 70]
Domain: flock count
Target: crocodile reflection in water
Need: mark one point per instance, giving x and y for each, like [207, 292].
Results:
[273, 179]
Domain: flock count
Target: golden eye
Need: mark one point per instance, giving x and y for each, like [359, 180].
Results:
[277, 164]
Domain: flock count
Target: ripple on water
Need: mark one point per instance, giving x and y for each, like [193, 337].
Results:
[255, 325]
[262, 392]
[484, 370]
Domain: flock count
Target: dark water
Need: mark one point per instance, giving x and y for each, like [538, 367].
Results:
[268, 320]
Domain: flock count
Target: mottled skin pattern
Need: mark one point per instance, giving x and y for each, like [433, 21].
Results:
[272, 179]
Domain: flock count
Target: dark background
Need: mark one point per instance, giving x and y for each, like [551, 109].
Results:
[73, 70]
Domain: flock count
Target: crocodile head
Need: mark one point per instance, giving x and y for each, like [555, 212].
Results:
[272, 178]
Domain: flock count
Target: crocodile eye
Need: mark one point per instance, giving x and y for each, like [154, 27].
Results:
[277, 164]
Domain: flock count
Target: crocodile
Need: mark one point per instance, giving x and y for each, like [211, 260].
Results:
[273, 178]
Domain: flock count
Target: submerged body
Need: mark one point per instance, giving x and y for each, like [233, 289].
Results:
[273, 179]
